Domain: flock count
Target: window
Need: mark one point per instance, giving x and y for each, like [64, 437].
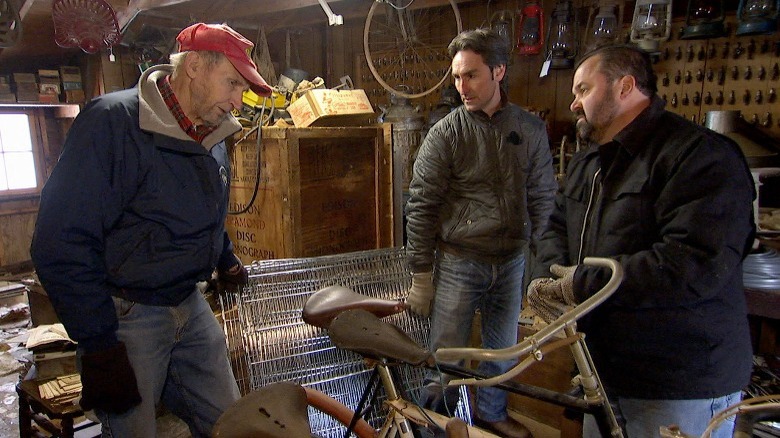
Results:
[19, 171]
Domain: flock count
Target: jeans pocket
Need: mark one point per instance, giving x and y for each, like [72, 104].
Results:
[123, 307]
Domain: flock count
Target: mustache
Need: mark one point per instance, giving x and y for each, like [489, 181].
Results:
[577, 114]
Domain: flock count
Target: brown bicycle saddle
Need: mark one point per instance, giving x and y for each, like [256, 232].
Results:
[278, 410]
[361, 331]
[327, 303]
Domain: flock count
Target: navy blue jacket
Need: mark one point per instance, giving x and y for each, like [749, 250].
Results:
[134, 208]
[672, 202]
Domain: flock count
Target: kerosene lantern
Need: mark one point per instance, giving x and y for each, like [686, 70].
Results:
[756, 17]
[651, 24]
[530, 29]
[603, 27]
[562, 36]
[704, 19]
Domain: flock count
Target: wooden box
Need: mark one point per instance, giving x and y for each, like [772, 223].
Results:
[321, 191]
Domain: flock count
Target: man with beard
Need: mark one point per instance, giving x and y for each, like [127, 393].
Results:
[672, 202]
[481, 192]
[131, 219]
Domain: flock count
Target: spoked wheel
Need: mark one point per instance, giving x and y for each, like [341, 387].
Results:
[405, 45]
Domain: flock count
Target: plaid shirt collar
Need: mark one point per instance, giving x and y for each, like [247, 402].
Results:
[197, 132]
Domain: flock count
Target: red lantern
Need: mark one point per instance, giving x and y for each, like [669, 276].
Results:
[530, 30]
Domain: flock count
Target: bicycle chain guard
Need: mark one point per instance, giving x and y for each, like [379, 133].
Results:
[90, 25]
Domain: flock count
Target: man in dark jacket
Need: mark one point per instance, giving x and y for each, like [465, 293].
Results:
[131, 219]
[482, 189]
[672, 202]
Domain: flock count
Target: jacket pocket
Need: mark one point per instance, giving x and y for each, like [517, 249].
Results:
[629, 206]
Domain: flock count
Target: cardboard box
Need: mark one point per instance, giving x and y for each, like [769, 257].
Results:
[48, 75]
[66, 85]
[25, 78]
[70, 74]
[74, 96]
[321, 107]
[49, 98]
[27, 92]
[47, 88]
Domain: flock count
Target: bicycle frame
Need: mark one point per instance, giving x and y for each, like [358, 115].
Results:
[402, 412]
[353, 323]
[595, 396]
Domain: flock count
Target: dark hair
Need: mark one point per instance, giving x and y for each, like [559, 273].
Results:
[618, 60]
[488, 43]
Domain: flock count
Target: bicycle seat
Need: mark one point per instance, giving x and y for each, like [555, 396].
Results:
[327, 303]
[278, 410]
[363, 332]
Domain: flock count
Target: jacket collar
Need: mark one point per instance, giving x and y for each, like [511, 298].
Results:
[633, 137]
[482, 117]
[154, 115]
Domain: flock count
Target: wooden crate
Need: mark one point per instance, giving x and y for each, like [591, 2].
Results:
[321, 191]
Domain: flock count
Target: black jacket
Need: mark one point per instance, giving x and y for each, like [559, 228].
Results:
[672, 202]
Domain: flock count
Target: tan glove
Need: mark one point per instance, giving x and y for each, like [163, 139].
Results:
[565, 280]
[421, 293]
[547, 307]
[552, 297]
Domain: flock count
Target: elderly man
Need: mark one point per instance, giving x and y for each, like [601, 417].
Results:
[131, 219]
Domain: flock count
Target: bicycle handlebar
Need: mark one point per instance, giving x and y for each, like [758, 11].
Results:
[532, 343]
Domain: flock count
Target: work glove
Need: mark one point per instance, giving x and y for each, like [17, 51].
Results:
[233, 278]
[421, 293]
[108, 381]
[563, 287]
[552, 297]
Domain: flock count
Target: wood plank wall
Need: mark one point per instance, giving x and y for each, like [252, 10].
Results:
[332, 52]
[335, 51]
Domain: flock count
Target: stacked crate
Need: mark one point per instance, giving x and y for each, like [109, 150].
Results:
[71, 84]
[6, 94]
[49, 86]
[26, 87]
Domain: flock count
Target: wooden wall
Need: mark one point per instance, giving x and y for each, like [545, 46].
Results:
[18, 215]
[332, 52]
[335, 51]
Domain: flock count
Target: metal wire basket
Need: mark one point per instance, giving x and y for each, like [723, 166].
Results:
[269, 342]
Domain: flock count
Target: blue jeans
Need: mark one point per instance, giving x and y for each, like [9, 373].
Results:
[179, 356]
[644, 418]
[464, 286]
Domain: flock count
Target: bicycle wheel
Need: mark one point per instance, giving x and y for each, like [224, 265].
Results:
[406, 45]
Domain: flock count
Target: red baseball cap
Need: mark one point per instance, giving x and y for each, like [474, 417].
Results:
[221, 38]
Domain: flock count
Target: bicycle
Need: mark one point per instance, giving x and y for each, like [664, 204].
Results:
[404, 44]
[353, 323]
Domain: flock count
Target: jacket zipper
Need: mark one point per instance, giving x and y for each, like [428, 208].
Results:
[586, 220]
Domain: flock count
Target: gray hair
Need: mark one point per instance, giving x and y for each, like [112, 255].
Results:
[211, 58]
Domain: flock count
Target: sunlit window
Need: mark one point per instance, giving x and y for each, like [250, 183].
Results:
[17, 159]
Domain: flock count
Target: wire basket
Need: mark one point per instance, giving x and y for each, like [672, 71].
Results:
[269, 342]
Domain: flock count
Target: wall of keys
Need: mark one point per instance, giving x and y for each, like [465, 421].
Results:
[739, 73]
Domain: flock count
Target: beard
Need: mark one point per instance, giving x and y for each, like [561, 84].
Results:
[592, 129]
[584, 128]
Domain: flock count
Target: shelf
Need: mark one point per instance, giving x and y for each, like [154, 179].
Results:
[63, 110]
